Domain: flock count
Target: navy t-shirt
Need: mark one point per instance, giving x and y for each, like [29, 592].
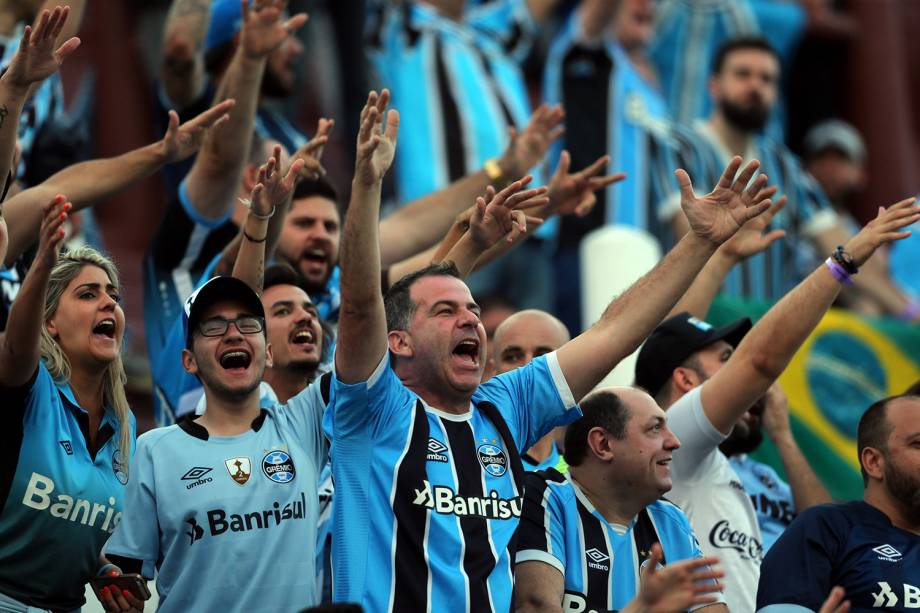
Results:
[853, 545]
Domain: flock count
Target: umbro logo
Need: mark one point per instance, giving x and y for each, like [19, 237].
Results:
[68, 448]
[596, 559]
[195, 473]
[197, 476]
[887, 553]
[436, 451]
[597, 555]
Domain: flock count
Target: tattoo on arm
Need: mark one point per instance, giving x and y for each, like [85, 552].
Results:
[3, 113]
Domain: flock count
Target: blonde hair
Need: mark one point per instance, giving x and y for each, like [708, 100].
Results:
[113, 383]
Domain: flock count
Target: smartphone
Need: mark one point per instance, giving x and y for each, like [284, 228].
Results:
[134, 583]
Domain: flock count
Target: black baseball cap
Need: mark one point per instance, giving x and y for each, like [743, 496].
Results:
[675, 340]
[218, 289]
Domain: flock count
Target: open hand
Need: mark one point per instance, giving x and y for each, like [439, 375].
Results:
[184, 140]
[502, 215]
[36, 59]
[376, 143]
[311, 152]
[526, 150]
[753, 237]
[718, 215]
[271, 190]
[51, 235]
[263, 31]
[574, 193]
[679, 586]
[885, 228]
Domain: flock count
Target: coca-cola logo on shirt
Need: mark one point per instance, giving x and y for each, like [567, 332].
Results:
[722, 536]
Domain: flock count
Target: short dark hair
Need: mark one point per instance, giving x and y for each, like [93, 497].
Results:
[283, 273]
[913, 390]
[320, 186]
[873, 431]
[602, 409]
[739, 43]
[399, 305]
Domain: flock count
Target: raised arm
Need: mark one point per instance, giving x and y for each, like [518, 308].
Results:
[20, 345]
[95, 180]
[767, 349]
[807, 489]
[421, 223]
[631, 317]
[182, 64]
[37, 58]
[271, 193]
[214, 179]
[362, 336]
[751, 239]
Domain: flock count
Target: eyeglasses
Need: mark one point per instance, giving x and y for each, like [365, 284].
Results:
[218, 326]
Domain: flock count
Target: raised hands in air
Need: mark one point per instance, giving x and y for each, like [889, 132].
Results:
[376, 141]
[502, 215]
[574, 193]
[183, 140]
[264, 27]
[38, 56]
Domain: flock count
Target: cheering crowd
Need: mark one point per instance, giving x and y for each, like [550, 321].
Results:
[353, 412]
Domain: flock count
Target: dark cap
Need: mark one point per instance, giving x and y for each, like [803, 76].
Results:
[218, 289]
[675, 340]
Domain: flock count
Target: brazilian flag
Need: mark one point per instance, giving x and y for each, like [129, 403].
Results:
[848, 363]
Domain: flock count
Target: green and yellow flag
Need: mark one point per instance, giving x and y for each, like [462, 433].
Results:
[848, 363]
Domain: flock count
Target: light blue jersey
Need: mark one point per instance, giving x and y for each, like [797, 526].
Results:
[59, 502]
[772, 497]
[427, 502]
[771, 274]
[600, 561]
[458, 87]
[689, 33]
[228, 522]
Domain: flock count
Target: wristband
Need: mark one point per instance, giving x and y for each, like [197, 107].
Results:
[254, 240]
[910, 311]
[845, 260]
[248, 204]
[106, 567]
[842, 276]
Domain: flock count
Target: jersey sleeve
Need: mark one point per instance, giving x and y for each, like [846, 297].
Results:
[533, 399]
[699, 439]
[305, 413]
[363, 409]
[137, 535]
[541, 533]
[797, 569]
[510, 22]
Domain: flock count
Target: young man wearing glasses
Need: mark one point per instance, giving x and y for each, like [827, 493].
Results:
[234, 487]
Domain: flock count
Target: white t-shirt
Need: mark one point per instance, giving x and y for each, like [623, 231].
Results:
[710, 493]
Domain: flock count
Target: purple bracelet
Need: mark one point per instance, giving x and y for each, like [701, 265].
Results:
[910, 311]
[839, 272]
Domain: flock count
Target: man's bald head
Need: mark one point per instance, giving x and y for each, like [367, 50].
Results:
[526, 335]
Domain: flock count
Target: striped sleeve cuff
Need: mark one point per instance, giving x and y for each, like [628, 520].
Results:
[562, 386]
[535, 555]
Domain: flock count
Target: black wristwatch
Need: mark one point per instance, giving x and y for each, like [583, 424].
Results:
[845, 260]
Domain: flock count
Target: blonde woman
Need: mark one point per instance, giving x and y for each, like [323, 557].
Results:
[68, 433]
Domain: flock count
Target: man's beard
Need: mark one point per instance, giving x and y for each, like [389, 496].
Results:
[738, 443]
[751, 118]
[905, 488]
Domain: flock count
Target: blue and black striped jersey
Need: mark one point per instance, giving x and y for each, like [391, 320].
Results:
[600, 561]
[427, 502]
